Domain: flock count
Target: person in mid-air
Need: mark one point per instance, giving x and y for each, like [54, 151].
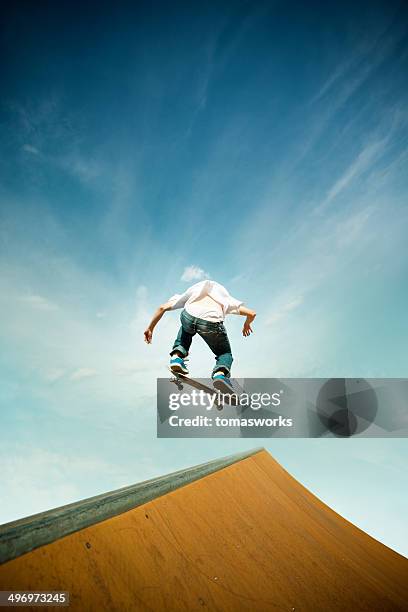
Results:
[205, 306]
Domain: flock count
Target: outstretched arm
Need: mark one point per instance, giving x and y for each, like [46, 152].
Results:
[250, 316]
[148, 333]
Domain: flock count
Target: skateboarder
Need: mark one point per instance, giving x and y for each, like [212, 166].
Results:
[205, 306]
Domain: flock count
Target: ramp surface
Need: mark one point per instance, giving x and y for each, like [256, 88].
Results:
[246, 537]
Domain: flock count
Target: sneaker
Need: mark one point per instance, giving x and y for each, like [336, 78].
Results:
[178, 366]
[223, 384]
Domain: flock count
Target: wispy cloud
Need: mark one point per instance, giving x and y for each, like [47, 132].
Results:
[38, 302]
[30, 149]
[192, 273]
[338, 72]
[367, 156]
[73, 346]
[52, 134]
[83, 373]
[54, 374]
[346, 79]
[86, 169]
[350, 230]
[243, 29]
[284, 310]
[367, 55]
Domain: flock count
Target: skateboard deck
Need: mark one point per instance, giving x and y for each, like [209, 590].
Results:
[179, 379]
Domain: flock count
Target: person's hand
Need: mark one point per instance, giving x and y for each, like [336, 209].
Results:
[247, 329]
[148, 334]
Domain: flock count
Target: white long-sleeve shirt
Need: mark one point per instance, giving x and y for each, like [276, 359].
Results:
[206, 300]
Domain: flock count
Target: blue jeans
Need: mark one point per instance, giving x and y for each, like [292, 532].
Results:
[214, 335]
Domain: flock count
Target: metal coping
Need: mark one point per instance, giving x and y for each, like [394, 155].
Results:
[26, 534]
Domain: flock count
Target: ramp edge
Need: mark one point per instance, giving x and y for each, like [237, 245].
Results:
[26, 534]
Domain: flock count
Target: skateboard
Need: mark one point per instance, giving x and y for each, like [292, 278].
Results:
[181, 379]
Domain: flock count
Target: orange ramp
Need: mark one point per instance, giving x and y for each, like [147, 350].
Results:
[242, 534]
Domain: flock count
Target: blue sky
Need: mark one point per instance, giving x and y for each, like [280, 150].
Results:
[264, 144]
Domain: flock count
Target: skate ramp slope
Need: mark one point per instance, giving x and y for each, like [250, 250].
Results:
[235, 534]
